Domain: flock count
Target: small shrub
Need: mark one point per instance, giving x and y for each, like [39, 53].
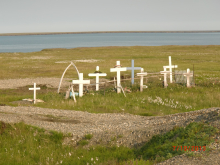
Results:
[88, 136]
[83, 142]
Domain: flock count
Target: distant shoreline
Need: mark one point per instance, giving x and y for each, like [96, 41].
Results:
[55, 33]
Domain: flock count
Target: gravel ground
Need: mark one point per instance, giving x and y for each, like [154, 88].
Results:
[15, 83]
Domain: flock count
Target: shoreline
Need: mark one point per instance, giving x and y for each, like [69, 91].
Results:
[56, 33]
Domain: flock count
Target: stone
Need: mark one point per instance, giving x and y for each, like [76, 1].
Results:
[170, 66]
[81, 82]
[118, 69]
[142, 74]
[132, 68]
[188, 75]
[34, 89]
[97, 75]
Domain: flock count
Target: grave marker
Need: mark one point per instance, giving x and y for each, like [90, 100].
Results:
[170, 66]
[34, 89]
[188, 75]
[97, 77]
[165, 76]
[142, 74]
[118, 69]
[81, 82]
[132, 68]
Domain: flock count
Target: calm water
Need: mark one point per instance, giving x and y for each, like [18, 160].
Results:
[32, 43]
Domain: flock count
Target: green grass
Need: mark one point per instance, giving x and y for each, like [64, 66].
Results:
[155, 100]
[24, 144]
[161, 147]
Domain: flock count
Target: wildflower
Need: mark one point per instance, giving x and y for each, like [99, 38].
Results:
[91, 159]
[61, 162]
[69, 154]
[96, 158]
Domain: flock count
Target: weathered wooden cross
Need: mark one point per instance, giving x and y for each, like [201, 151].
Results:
[118, 69]
[170, 66]
[97, 77]
[132, 68]
[81, 82]
[34, 89]
[142, 74]
[188, 75]
[165, 76]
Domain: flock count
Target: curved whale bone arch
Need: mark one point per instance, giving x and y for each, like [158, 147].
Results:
[71, 63]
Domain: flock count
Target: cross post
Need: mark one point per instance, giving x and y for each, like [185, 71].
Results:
[81, 82]
[164, 72]
[118, 69]
[34, 89]
[132, 68]
[97, 77]
[188, 75]
[170, 66]
[142, 74]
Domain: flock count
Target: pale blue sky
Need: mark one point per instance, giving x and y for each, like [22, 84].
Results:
[108, 15]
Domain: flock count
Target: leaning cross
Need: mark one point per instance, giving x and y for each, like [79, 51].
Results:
[34, 89]
[170, 66]
[118, 69]
[81, 82]
[132, 68]
[97, 76]
[165, 76]
[142, 74]
[188, 75]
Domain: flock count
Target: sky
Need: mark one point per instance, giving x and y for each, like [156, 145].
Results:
[21, 16]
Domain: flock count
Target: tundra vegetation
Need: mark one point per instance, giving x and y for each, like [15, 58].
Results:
[46, 147]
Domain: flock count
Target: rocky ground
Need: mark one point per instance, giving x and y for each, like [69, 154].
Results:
[120, 129]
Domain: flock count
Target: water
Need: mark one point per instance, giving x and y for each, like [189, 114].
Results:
[32, 43]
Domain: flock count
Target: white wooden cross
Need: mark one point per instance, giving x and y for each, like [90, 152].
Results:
[142, 74]
[165, 76]
[97, 77]
[34, 89]
[81, 82]
[170, 66]
[132, 68]
[188, 75]
[118, 69]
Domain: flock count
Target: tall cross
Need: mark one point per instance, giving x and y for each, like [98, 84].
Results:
[164, 72]
[97, 76]
[170, 66]
[132, 68]
[142, 74]
[118, 69]
[34, 89]
[188, 75]
[81, 82]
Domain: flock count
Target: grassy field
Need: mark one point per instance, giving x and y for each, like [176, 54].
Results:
[43, 147]
[153, 101]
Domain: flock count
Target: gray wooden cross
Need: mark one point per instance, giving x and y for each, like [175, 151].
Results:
[132, 68]
[188, 75]
[34, 89]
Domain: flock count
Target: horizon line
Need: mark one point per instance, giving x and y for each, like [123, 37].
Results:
[89, 32]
